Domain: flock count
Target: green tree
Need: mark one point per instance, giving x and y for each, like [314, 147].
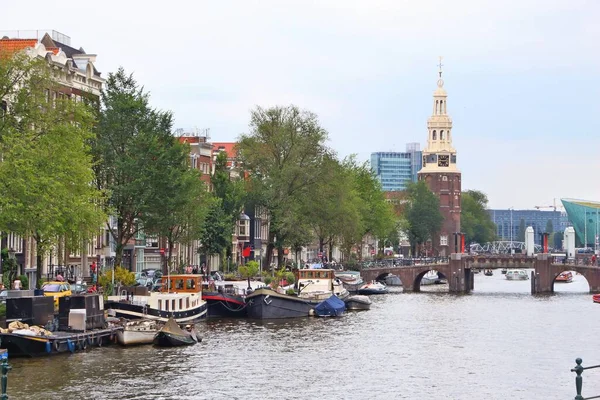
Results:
[229, 188]
[521, 233]
[132, 146]
[250, 270]
[283, 153]
[423, 214]
[475, 222]
[215, 234]
[181, 195]
[46, 165]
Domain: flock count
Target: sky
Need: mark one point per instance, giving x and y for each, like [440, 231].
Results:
[522, 76]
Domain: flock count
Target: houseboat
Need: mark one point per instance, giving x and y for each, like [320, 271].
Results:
[224, 300]
[180, 297]
[312, 287]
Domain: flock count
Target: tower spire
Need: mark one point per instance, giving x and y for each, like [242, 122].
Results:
[440, 65]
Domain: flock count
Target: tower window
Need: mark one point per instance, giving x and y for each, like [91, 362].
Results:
[442, 134]
[441, 109]
[434, 135]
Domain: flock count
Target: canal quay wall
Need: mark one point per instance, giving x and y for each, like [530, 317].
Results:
[458, 271]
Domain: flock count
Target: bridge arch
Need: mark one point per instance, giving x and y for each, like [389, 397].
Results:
[416, 286]
[577, 277]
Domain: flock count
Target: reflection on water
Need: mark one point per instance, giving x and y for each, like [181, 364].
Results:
[497, 343]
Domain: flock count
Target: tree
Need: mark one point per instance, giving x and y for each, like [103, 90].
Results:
[475, 222]
[283, 154]
[422, 214]
[132, 145]
[249, 271]
[229, 188]
[215, 235]
[521, 233]
[46, 168]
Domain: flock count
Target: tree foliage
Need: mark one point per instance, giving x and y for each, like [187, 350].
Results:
[423, 214]
[215, 234]
[549, 227]
[475, 222]
[283, 153]
[46, 169]
[521, 233]
[133, 145]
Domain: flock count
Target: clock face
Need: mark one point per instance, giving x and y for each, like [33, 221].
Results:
[443, 161]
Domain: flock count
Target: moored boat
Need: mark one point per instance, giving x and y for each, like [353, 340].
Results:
[564, 277]
[596, 298]
[265, 303]
[180, 297]
[171, 335]
[227, 301]
[488, 272]
[139, 331]
[517, 275]
[504, 271]
[332, 307]
[433, 278]
[358, 302]
[392, 280]
[373, 288]
[351, 280]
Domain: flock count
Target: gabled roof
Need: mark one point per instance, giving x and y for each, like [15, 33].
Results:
[69, 51]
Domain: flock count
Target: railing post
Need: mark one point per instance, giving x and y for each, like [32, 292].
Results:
[578, 379]
[5, 369]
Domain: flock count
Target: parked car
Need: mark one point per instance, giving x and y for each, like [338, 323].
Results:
[56, 289]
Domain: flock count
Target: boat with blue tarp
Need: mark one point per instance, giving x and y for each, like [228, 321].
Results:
[332, 307]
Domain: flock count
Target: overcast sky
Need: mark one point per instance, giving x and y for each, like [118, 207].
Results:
[522, 76]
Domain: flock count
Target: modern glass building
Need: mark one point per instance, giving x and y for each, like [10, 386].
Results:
[585, 217]
[510, 220]
[395, 169]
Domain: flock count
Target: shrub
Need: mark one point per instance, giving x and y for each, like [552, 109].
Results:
[290, 291]
[24, 281]
[267, 279]
[290, 278]
[230, 277]
[122, 276]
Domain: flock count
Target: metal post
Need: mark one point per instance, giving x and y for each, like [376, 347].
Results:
[585, 230]
[578, 379]
[5, 369]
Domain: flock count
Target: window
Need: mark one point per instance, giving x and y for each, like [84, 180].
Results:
[160, 304]
[442, 134]
[434, 135]
[167, 305]
[187, 302]
[173, 304]
[181, 304]
[444, 240]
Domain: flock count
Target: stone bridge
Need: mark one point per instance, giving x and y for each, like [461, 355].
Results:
[458, 270]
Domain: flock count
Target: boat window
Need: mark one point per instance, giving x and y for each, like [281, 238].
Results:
[173, 304]
[166, 305]
[310, 274]
[190, 284]
[181, 304]
[179, 284]
[160, 304]
[187, 302]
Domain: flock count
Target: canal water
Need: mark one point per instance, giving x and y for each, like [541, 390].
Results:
[497, 343]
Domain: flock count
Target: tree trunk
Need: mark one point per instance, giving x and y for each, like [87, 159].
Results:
[39, 260]
[279, 256]
[270, 247]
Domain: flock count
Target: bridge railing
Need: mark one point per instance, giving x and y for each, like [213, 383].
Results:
[404, 262]
[575, 261]
[579, 379]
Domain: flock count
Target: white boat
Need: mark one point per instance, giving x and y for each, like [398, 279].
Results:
[432, 278]
[180, 298]
[358, 302]
[373, 288]
[319, 284]
[141, 331]
[517, 275]
[393, 280]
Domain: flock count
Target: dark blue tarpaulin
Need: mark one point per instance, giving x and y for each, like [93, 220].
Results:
[332, 307]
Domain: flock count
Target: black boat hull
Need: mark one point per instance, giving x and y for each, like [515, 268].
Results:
[372, 291]
[62, 342]
[267, 304]
[222, 305]
[165, 339]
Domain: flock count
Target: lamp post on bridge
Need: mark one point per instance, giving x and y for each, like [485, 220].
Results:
[511, 230]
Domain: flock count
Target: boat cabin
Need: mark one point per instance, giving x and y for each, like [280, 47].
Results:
[189, 283]
[313, 281]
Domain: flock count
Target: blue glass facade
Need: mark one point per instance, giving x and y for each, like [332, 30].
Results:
[585, 217]
[395, 169]
[534, 218]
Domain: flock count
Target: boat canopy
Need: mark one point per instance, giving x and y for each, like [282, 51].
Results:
[332, 307]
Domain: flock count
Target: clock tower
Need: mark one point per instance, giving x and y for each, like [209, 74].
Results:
[440, 171]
